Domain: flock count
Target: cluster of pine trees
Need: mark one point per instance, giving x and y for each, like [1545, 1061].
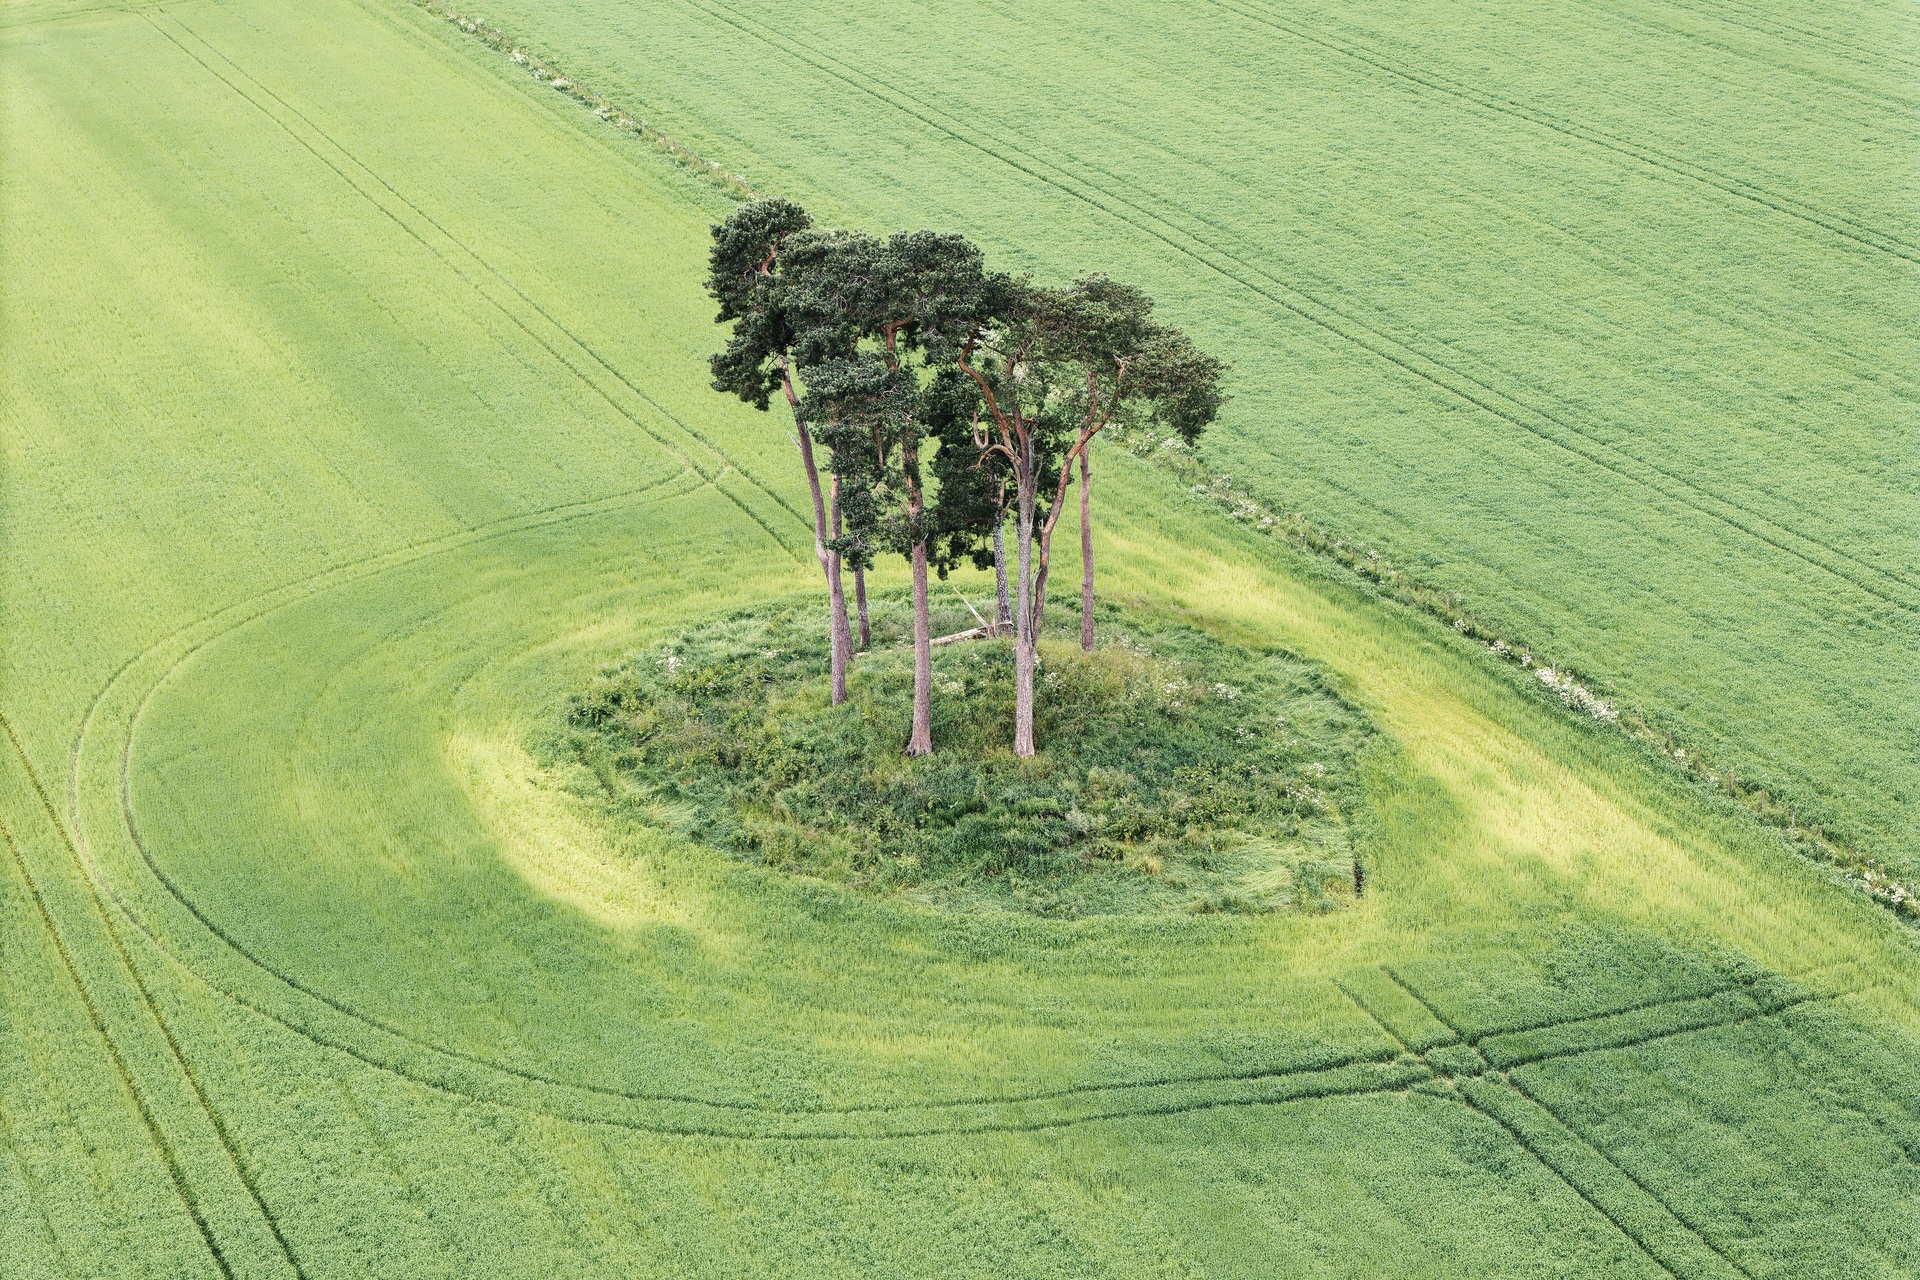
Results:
[950, 401]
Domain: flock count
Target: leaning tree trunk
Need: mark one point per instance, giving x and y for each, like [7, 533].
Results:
[839, 643]
[1004, 617]
[1040, 570]
[1086, 552]
[1026, 631]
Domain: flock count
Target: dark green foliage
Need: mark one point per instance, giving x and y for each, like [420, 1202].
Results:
[976, 488]
[1180, 771]
[1112, 358]
[862, 409]
[1052, 368]
[1070, 360]
[745, 276]
[874, 322]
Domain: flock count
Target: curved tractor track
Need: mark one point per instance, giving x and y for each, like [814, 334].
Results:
[190, 934]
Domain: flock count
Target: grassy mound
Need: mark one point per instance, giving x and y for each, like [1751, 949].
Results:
[1174, 770]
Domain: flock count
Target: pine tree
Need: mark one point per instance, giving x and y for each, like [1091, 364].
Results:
[747, 275]
[875, 320]
[1054, 367]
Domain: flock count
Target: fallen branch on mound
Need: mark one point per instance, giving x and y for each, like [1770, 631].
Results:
[972, 633]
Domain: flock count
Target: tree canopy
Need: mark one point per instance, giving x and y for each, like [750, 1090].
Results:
[886, 345]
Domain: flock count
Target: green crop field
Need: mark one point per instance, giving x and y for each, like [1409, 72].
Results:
[354, 409]
[1602, 313]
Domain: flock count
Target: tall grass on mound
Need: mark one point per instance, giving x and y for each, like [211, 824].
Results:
[1174, 770]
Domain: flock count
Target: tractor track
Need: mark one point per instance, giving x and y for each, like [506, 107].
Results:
[571, 364]
[142, 1107]
[1658, 1256]
[1365, 1075]
[1520, 1087]
[234, 618]
[1743, 18]
[1652, 158]
[1878, 98]
[1890, 587]
[123, 1069]
[451, 1071]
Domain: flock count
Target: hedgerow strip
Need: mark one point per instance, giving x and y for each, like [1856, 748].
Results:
[1573, 689]
[543, 69]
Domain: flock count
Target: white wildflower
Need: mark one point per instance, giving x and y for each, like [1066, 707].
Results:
[1577, 695]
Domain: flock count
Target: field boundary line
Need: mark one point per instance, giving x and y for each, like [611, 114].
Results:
[1838, 224]
[1419, 364]
[222, 1134]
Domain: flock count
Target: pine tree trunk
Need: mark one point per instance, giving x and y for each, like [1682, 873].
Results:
[860, 602]
[1040, 570]
[839, 647]
[1025, 634]
[1086, 552]
[842, 635]
[920, 742]
[1003, 618]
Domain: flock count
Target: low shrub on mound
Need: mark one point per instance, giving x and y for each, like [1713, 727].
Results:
[1173, 770]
